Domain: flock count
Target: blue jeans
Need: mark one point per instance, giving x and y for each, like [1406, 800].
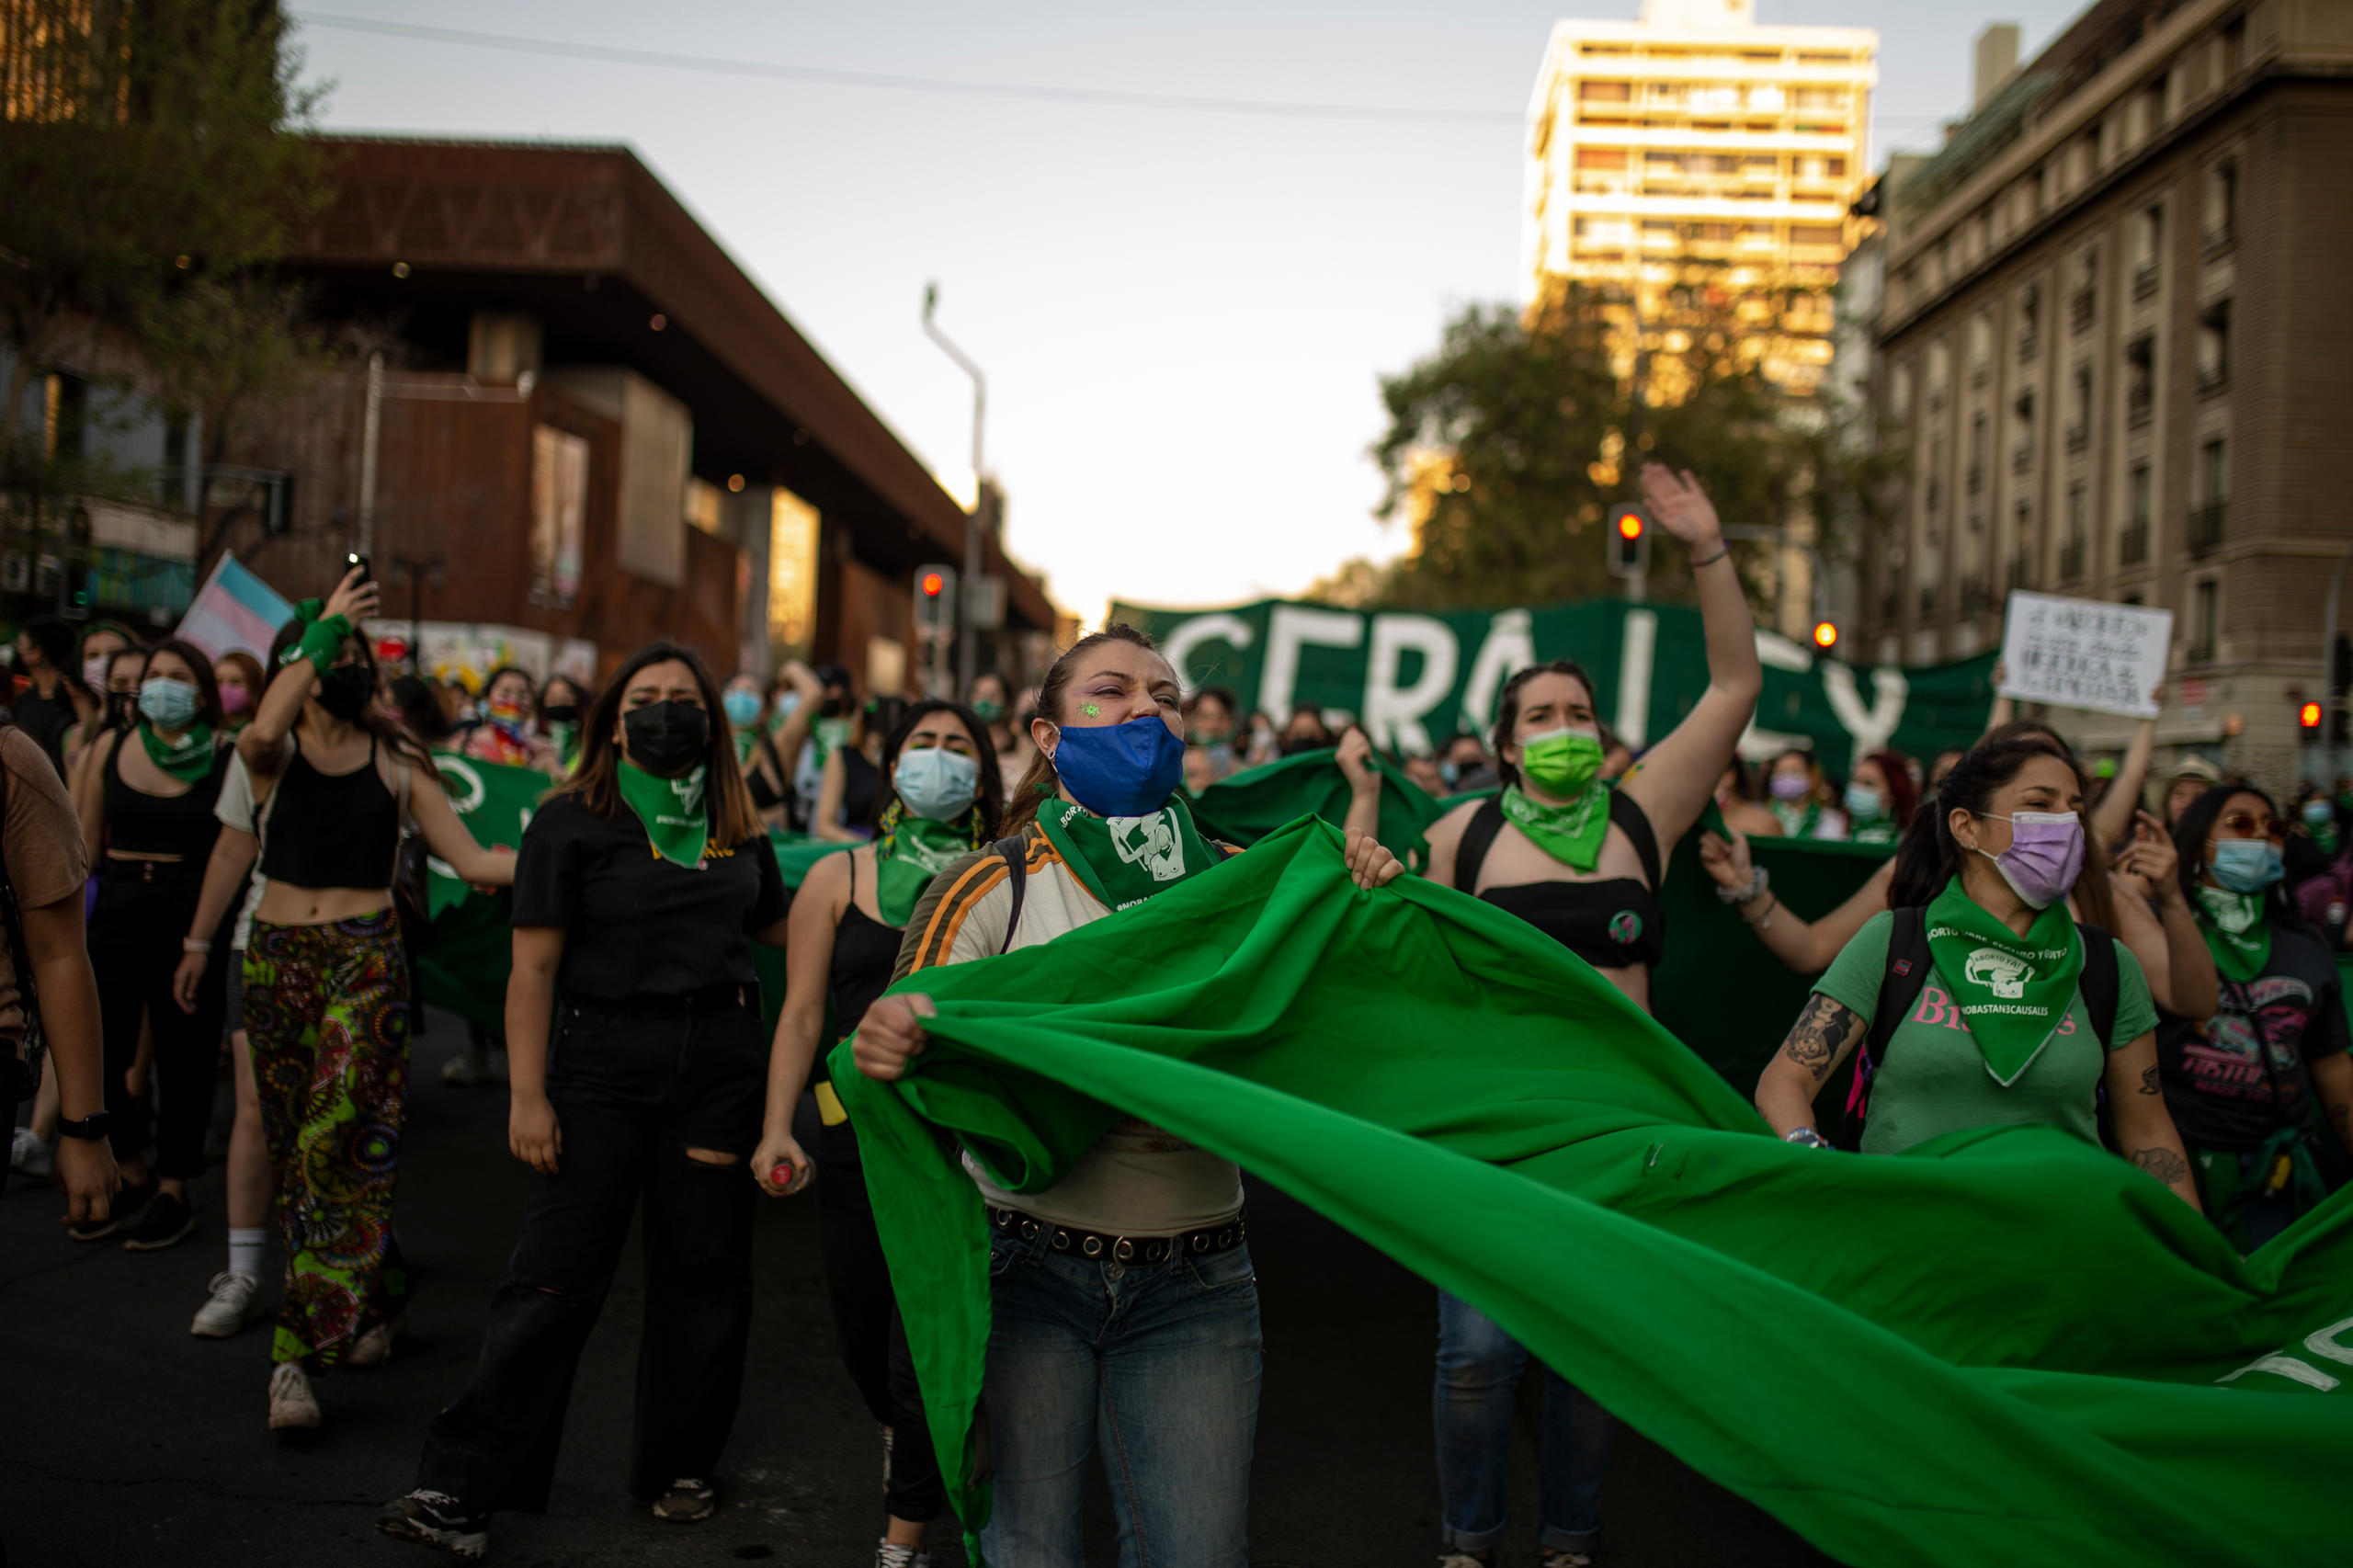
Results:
[1478, 1369]
[1158, 1366]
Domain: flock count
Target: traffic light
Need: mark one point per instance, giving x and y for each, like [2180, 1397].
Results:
[1630, 539]
[2308, 715]
[935, 601]
[1826, 635]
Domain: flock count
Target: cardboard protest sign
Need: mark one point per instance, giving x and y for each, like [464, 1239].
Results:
[2083, 653]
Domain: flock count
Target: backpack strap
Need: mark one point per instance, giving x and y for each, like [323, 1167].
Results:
[1899, 987]
[1478, 838]
[1015, 855]
[1635, 823]
[2100, 982]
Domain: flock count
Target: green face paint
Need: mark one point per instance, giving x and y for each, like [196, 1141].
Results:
[1090, 710]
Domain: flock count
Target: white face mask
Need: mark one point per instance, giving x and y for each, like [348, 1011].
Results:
[936, 782]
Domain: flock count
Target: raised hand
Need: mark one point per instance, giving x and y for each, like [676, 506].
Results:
[1677, 504]
[1355, 762]
[353, 599]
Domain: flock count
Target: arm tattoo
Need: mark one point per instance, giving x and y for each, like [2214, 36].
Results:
[2149, 1080]
[1821, 1030]
[2162, 1164]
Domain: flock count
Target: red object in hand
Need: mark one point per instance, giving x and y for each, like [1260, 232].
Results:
[782, 1175]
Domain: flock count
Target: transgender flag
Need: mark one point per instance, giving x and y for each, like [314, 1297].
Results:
[234, 610]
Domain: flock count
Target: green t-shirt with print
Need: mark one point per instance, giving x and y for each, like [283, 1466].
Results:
[1935, 1080]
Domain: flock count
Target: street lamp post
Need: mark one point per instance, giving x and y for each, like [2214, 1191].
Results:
[967, 645]
[1818, 596]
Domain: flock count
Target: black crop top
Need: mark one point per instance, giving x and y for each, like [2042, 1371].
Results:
[141, 823]
[1612, 924]
[862, 781]
[865, 953]
[330, 830]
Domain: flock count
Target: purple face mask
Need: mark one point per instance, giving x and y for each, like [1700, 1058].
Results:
[2045, 856]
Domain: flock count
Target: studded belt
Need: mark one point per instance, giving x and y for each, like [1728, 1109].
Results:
[1120, 1249]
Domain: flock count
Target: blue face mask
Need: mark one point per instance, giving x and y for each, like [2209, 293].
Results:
[1121, 770]
[2319, 813]
[2247, 865]
[743, 708]
[1450, 772]
[936, 782]
[171, 703]
[1864, 804]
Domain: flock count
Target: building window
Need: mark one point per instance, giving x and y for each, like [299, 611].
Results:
[1939, 375]
[2213, 497]
[2215, 345]
[2222, 202]
[559, 515]
[2205, 611]
[793, 531]
[2084, 301]
[1981, 348]
[1976, 477]
[2070, 549]
[2022, 548]
[1605, 92]
[1899, 395]
[2148, 235]
[2022, 428]
[2133, 540]
[2029, 321]
[2232, 50]
[2079, 408]
[2140, 379]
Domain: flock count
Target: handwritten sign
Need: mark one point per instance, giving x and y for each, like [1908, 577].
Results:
[2083, 653]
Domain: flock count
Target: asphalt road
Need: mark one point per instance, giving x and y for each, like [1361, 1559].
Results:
[124, 1441]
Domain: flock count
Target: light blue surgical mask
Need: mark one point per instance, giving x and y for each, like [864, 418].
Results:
[743, 708]
[1864, 804]
[2319, 813]
[168, 702]
[936, 783]
[2247, 865]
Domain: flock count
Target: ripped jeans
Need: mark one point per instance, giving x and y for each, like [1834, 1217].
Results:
[634, 1088]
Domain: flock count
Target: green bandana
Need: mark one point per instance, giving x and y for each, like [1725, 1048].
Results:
[2013, 993]
[1125, 860]
[188, 761]
[911, 850]
[1571, 834]
[2324, 835]
[1883, 831]
[2235, 932]
[829, 735]
[745, 740]
[1796, 822]
[565, 739]
[677, 823]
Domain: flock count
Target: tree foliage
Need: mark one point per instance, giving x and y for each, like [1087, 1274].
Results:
[150, 154]
[1506, 446]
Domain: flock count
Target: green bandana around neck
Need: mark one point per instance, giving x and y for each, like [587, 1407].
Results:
[1796, 822]
[745, 740]
[1125, 860]
[188, 761]
[1571, 834]
[2324, 836]
[676, 819]
[1883, 831]
[2013, 991]
[911, 850]
[2236, 932]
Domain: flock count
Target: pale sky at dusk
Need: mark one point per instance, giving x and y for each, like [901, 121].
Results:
[1183, 315]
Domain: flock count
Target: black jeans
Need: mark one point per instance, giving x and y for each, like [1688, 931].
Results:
[142, 913]
[632, 1093]
[867, 1327]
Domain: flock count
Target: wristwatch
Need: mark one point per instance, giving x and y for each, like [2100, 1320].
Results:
[1807, 1137]
[90, 1129]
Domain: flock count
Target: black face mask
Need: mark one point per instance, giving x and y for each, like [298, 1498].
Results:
[562, 713]
[344, 691]
[666, 739]
[118, 705]
[1293, 744]
[831, 707]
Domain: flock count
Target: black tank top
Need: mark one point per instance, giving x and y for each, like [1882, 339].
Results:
[1613, 924]
[861, 780]
[865, 953]
[141, 824]
[331, 830]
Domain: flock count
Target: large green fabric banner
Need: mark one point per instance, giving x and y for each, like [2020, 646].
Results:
[1414, 678]
[2002, 1347]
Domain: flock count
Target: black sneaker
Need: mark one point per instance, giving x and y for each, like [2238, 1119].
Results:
[436, 1519]
[125, 1208]
[167, 1222]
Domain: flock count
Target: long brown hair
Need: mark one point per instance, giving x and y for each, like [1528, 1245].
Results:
[1042, 783]
[989, 802]
[1928, 856]
[597, 779]
[199, 666]
[1507, 707]
[396, 737]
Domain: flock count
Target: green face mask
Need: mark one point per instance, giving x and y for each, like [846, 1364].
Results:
[1561, 762]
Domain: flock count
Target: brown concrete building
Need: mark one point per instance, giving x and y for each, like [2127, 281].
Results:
[567, 414]
[2117, 340]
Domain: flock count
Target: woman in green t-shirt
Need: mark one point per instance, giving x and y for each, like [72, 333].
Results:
[1999, 1035]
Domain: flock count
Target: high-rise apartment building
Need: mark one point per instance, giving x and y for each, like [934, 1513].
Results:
[2113, 343]
[1693, 137]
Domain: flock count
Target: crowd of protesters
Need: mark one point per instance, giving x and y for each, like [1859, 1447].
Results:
[211, 870]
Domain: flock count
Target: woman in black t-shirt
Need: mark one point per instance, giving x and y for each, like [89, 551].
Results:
[941, 803]
[2261, 1089]
[642, 884]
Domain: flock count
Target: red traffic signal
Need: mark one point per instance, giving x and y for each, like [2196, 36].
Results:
[1826, 635]
[934, 585]
[2308, 715]
[1630, 539]
[1629, 524]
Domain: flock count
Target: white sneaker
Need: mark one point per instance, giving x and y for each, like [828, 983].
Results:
[374, 1347]
[29, 1155]
[293, 1407]
[233, 1305]
[889, 1556]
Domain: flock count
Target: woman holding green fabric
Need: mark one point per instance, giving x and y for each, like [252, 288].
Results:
[640, 887]
[2250, 1085]
[1124, 1312]
[941, 803]
[1580, 861]
[146, 806]
[1999, 1032]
